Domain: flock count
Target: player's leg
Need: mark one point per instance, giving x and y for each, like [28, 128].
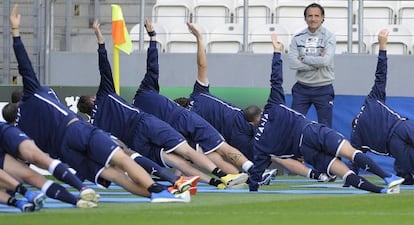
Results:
[28, 151]
[189, 169]
[339, 168]
[363, 161]
[21, 204]
[50, 188]
[234, 156]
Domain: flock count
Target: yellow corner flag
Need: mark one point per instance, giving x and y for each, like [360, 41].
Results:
[121, 41]
[120, 34]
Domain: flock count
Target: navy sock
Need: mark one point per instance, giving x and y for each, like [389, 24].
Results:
[155, 188]
[12, 201]
[58, 192]
[62, 173]
[366, 163]
[154, 169]
[314, 174]
[218, 172]
[362, 183]
[214, 182]
[21, 189]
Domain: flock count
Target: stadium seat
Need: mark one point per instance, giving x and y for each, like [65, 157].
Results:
[336, 14]
[290, 14]
[162, 37]
[260, 38]
[378, 14]
[169, 12]
[400, 40]
[342, 41]
[259, 11]
[227, 38]
[180, 40]
[406, 13]
[211, 13]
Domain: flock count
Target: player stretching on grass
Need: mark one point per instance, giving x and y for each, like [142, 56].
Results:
[286, 133]
[140, 131]
[237, 126]
[378, 128]
[58, 131]
[194, 128]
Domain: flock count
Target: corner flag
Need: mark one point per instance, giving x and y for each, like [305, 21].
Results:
[120, 34]
[121, 41]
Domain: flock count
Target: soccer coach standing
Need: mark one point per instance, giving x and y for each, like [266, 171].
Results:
[311, 54]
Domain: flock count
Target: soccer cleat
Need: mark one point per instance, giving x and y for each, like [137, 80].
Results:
[185, 183]
[393, 190]
[233, 179]
[221, 186]
[238, 186]
[88, 194]
[185, 196]
[323, 177]
[267, 177]
[192, 190]
[25, 206]
[165, 196]
[173, 190]
[83, 204]
[393, 181]
[38, 199]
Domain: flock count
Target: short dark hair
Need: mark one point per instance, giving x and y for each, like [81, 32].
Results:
[251, 112]
[314, 5]
[16, 95]
[183, 101]
[9, 112]
[84, 104]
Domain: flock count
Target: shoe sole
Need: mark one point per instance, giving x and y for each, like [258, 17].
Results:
[394, 190]
[193, 190]
[188, 184]
[89, 195]
[242, 178]
[86, 204]
[395, 183]
[39, 201]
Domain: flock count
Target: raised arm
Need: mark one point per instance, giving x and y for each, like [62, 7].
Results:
[30, 82]
[106, 84]
[150, 81]
[201, 55]
[277, 95]
[378, 90]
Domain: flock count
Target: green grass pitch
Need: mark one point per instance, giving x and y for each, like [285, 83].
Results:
[239, 208]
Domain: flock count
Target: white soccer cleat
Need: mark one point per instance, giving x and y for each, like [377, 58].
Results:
[83, 204]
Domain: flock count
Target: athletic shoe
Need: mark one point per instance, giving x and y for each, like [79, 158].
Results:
[267, 176]
[185, 196]
[391, 190]
[221, 186]
[83, 204]
[233, 179]
[332, 179]
[323, 177]
[173, 190]
[37, 198]
[88, 194]
[393, 181]
[238, 186]
[185, 183]
[192, 190]
[25, 206]
[165, 196]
